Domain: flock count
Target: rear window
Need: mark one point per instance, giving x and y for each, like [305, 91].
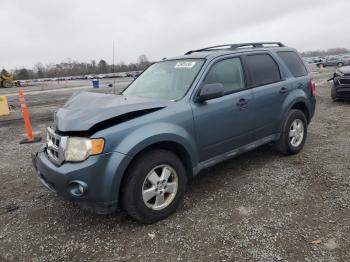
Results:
[293, 62]
[263, 70]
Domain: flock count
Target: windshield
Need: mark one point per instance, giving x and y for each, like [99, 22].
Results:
[168, 80]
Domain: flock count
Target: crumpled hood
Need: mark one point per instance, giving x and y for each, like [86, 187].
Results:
[85, 109]
[345, 70]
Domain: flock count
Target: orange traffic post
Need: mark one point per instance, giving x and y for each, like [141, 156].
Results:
[30, 138]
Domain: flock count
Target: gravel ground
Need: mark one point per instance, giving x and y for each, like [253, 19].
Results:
[260, 206]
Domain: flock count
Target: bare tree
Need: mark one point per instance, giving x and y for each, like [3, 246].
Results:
[143, 62]
[102, 66]
[70, 67]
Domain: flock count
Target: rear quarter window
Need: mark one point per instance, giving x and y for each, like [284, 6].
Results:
[263, 70]
[293, 62]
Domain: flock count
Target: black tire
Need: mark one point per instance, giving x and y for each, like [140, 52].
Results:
[6, 84]
[131, 194]
[284, 144]
[334, 93]
[340, 64]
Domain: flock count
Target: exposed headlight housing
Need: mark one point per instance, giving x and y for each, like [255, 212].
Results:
[79, 148]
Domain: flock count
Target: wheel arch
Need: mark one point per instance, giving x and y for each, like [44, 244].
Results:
[169, 136]
[297, 99]
[169, 145]
[300, 105]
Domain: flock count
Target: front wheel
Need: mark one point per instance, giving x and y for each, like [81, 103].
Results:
[154, 186]
[293, 134]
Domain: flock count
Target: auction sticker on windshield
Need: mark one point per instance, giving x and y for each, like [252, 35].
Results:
[185, 64]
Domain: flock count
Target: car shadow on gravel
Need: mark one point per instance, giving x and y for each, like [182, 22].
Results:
[230, 171]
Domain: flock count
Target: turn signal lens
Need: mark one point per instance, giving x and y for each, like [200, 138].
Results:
[312, 88]
[97, 146]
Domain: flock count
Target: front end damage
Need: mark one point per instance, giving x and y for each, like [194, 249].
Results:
[83, 182]
[93, 181]
[341, 83]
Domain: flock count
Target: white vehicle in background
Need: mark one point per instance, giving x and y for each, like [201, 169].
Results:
[346, 57]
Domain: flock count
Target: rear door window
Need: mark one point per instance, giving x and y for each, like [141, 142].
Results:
[263, 70]
[294, 63]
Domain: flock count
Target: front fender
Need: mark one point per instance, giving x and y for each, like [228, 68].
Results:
[150, 134]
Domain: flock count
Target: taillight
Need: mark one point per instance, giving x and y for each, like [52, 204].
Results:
[312, 88]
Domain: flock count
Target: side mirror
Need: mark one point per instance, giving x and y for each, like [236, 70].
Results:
[210, 91]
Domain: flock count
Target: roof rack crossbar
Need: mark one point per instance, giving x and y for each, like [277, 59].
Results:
[235, 46]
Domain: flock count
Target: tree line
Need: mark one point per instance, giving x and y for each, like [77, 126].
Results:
[331, 51]
[74, 68]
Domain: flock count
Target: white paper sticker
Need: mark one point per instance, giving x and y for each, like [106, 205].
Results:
[185, 64]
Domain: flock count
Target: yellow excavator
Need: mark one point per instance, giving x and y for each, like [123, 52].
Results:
[7, 80]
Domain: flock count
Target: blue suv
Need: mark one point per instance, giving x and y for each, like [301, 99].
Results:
[136, 151]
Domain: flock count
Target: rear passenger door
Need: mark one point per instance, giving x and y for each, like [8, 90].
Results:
[269, 91]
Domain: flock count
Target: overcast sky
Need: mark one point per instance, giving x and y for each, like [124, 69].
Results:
[54, 30]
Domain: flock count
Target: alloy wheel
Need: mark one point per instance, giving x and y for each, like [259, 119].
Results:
[296, 132]
[160, 187]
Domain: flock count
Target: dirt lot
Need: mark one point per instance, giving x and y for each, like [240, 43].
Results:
[260, 206]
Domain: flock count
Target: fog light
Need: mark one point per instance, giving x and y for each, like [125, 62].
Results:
[78, 188]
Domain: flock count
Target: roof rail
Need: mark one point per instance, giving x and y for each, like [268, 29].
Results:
[236, 46]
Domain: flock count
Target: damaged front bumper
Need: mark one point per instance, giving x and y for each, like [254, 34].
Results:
[99, 175]
[342, 87]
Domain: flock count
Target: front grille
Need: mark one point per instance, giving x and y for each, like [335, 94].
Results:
[344, 81]
[55, 146]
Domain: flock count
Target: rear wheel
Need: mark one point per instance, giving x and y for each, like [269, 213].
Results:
[154, 187]
[340, 64]
[293, 134]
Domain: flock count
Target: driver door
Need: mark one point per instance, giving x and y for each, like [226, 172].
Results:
[225, 123]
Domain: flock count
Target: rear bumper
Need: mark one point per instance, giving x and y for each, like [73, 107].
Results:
[101, 174]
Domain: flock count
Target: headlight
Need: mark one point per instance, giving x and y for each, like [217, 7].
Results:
[79, 148]
[339, 73]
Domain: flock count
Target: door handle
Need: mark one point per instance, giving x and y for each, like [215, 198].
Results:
[242, 102]
[283, 90]
[300, 85]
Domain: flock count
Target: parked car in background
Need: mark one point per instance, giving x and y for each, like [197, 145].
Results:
[347, 58]
[333, 61]
[136, 151]
[308, 60]
[341, 84]
[137, 74]
[319, 59]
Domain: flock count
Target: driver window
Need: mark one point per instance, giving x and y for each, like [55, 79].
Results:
[229, 73]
